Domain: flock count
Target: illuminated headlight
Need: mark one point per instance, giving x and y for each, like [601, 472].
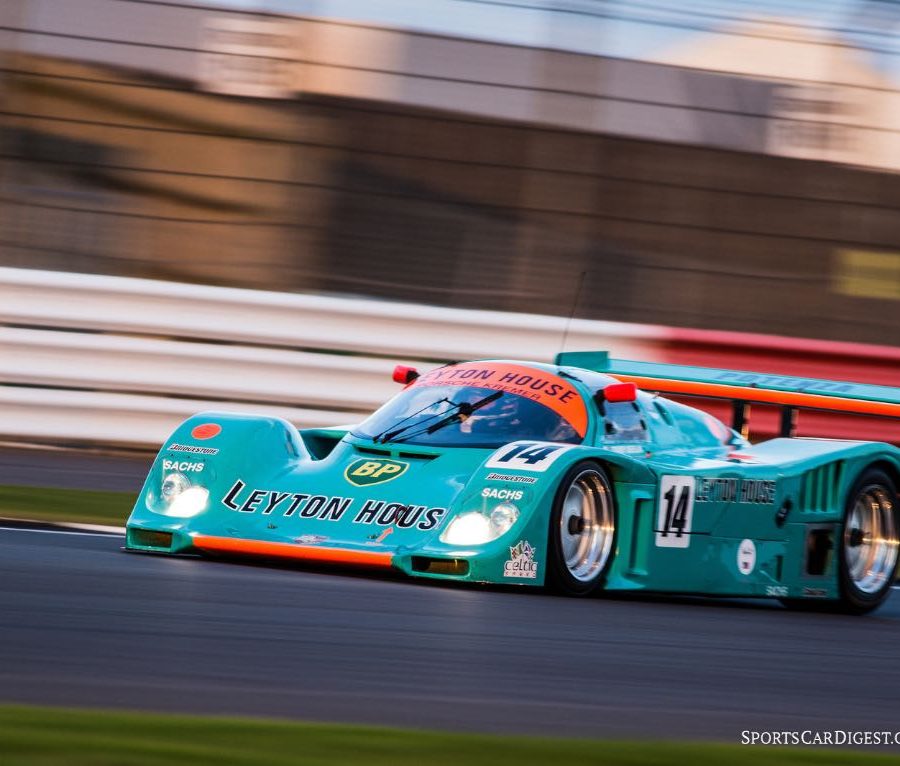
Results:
[189, 503]
[475, 528]
[182, 499]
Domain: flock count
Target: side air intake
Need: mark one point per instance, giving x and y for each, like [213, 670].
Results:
[820, 488]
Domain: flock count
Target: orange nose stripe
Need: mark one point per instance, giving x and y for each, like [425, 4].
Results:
[314, 553]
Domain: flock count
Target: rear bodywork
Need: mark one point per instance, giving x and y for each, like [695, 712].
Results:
[698, 508]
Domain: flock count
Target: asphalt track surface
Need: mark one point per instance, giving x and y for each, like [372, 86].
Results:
[83, 623]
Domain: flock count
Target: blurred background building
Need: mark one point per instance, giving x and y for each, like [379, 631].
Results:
[705, 163]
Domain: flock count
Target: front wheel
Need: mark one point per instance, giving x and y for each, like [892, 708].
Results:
[582, 530]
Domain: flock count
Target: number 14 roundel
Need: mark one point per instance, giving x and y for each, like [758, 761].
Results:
[676, 511]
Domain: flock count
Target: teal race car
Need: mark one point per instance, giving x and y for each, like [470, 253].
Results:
[564, 475]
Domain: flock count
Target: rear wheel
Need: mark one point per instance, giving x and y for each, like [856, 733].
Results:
[868, 546]
[582, 530]
[870, 542]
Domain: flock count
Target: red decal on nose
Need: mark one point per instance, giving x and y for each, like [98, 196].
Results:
[206, 431]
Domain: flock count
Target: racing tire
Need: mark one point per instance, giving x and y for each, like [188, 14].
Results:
[582, 534]
[867, 548]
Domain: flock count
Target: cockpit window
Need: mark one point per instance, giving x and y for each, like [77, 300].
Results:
[481, 405]
[624, 422]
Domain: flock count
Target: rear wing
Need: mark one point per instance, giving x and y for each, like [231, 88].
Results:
[745, 388]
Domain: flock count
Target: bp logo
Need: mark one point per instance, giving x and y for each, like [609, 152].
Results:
[365, 472]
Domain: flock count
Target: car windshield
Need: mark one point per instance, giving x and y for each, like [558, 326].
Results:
[448, 416]
[512, 403]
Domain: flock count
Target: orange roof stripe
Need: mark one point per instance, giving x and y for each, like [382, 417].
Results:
[764, 395]
[313, 553]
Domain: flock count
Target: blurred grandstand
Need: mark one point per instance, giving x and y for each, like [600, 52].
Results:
[708, 164]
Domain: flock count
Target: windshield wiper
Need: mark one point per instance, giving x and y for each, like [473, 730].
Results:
[463, 410]
[387, 435]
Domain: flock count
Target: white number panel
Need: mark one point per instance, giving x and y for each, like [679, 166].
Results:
[676, 512]
[527, 456]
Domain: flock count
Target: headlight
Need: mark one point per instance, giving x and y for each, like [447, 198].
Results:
[474, 528]
[173, 485]
[503, 517]
[189, 503]
[182, 499]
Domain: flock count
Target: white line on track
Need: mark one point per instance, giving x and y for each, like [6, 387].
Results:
[62, 532]
[76, 526]
[90, 527]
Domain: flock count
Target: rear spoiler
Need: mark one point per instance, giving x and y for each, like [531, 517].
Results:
[745, 388]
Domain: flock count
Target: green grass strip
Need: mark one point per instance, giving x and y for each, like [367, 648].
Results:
[31, 736]
[84, 505]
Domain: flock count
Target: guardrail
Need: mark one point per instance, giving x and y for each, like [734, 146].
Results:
[120, 361]
[112, 360]
[48, 416]
[123, 305]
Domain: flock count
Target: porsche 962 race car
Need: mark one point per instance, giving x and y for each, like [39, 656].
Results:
[566, 475]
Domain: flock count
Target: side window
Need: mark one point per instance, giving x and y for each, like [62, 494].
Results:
[624, 422]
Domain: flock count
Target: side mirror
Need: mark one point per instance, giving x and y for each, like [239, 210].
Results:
[405, 375]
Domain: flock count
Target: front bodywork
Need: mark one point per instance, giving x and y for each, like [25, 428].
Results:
[699, 510]
[338, 509]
